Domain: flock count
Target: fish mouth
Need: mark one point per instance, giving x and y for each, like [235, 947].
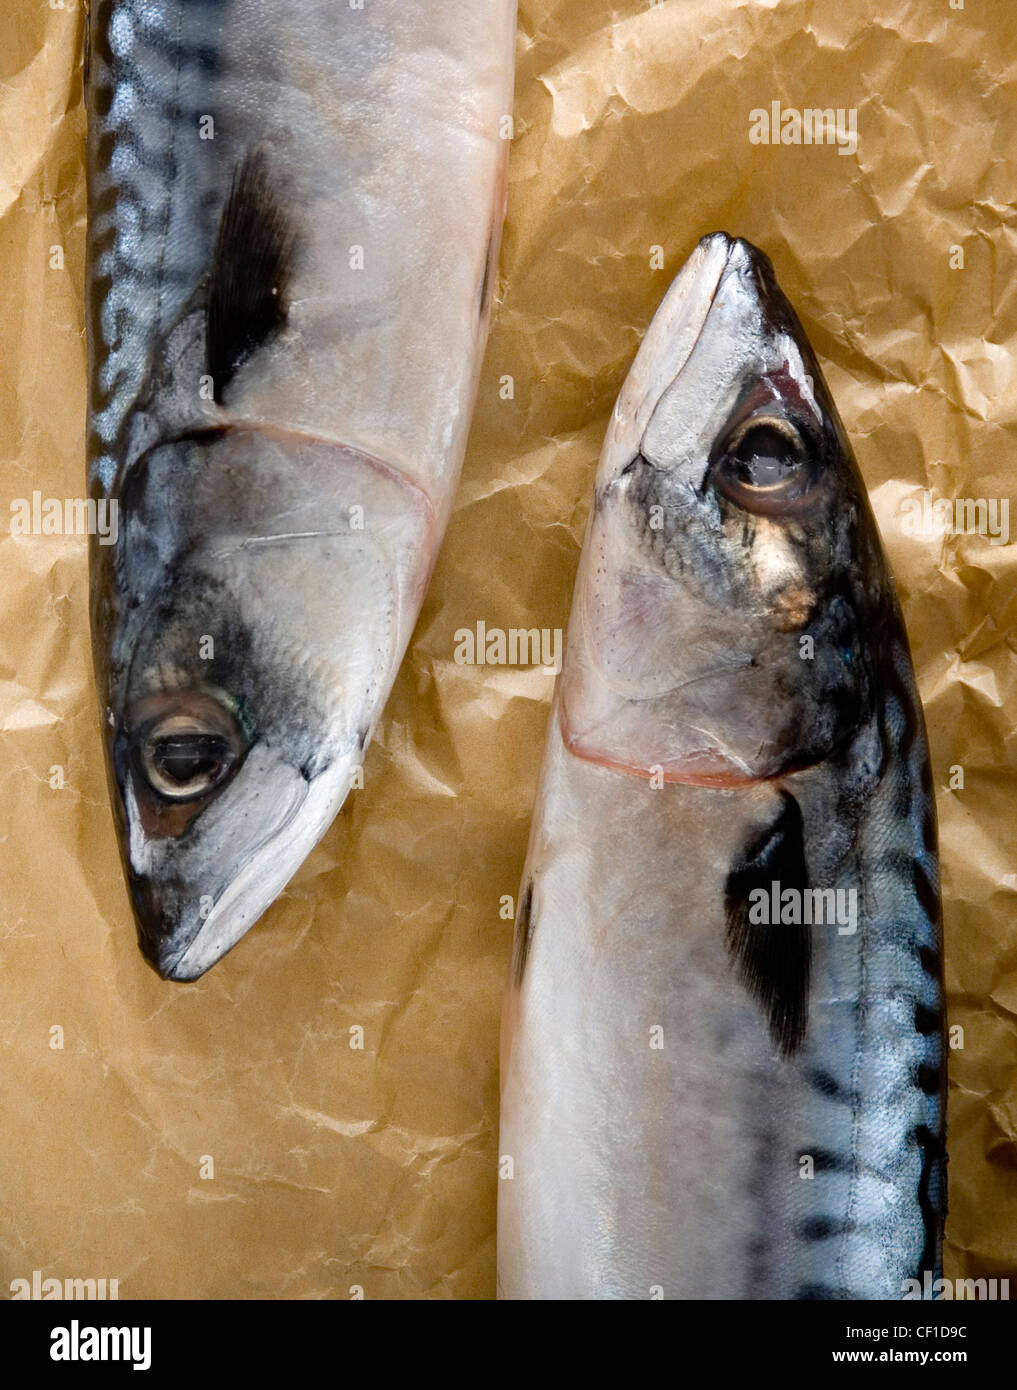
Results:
[675, 330]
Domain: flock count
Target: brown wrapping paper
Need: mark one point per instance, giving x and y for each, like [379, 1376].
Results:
[224, 1139]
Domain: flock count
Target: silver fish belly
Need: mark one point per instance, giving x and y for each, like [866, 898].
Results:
[294, 220]
[723, 1065]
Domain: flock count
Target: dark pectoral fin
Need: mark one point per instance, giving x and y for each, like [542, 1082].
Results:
[250, 270]
[772, 960]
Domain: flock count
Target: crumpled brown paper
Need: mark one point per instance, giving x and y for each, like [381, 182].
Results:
[224, 1139]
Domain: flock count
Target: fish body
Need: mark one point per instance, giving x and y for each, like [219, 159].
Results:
[722, 1049]
[294, 221]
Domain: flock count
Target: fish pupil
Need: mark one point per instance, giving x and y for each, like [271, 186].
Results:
[763, 457]
[187, 758]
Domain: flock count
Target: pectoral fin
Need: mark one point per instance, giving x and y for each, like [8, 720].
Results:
[772, 959]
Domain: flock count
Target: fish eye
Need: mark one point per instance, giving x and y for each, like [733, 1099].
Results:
[182, 762]
[184, 749]
[765, 464]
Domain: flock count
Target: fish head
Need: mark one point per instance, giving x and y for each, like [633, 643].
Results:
[257, 596]
[732, 581]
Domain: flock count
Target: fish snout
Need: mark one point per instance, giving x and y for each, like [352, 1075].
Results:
[196, 894]
[164, 925]
[702, 339]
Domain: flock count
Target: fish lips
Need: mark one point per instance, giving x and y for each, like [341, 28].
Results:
[195, 895]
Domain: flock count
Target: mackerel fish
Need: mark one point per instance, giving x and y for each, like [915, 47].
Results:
[723, 1064]
[294, 222]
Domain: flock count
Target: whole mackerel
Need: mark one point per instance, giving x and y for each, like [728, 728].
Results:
[294, 219]
[722, 1060]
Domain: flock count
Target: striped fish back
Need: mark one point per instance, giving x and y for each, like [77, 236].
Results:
[873, 1065]
[144, 144]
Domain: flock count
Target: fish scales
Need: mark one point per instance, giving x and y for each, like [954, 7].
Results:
[697, 1104]
[295, 213]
